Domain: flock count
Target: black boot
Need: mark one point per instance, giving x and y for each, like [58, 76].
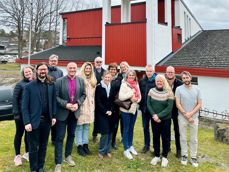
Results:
[81, 151]
[86, 149]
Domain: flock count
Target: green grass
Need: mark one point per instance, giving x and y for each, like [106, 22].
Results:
[9, 66]
[213, 156]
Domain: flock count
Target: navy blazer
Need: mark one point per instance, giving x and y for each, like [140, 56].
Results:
[62, 96]
[31, 104]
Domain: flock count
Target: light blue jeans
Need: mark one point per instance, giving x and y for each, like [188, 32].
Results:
[81, 134]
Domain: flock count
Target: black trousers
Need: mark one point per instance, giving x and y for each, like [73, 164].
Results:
[161, 131]
[20, 130]
[176, 131]
[38, 140]
[53, 133]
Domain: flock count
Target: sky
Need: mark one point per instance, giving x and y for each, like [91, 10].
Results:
[211, 14]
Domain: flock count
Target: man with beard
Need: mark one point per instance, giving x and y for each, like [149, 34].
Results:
[55, 73]
[39, 111]
[70, 94]
[145, 85]
[174, 83]
[189, 102]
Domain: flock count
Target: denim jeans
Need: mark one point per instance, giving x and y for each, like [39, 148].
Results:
[128, 121]
[38, 140]
[70, 124]
[146, 118]
[81, 134]
[105, 143]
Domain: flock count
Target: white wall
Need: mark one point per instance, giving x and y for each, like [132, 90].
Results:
[215, 92]
[185, 20]
[163, 46]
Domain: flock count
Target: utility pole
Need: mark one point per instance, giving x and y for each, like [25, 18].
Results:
[30, 31]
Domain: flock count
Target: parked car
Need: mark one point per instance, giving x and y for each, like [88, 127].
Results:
[6, 99]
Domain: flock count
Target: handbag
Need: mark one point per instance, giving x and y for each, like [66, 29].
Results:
[124, 104]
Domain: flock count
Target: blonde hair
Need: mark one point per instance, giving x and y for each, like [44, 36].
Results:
[166, 86]
[133, 72]
[93, 80]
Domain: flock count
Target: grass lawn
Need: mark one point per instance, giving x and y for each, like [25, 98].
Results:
[212, 155]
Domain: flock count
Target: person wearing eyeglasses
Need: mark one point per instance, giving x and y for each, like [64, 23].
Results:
[98, 70]
[56, 73]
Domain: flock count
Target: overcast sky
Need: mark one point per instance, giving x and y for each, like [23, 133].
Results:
[211, 14]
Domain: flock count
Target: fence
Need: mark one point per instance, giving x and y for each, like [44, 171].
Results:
[213, 114]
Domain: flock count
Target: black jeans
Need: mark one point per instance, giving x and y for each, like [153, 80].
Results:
[162, 130]
[70, 124]
[38, 140]
[146, 118]
[20, 130]
[176, 131]
[53, 133]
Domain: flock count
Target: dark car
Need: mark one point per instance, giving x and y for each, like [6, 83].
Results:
[6, 98]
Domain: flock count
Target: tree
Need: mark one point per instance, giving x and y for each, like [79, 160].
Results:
[13, 16]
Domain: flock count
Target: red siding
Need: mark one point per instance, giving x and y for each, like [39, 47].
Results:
[224, 73]
[138, 13]
[161, 11]
[176, 44]
[126, 42]
[83, 27]
[173, 12]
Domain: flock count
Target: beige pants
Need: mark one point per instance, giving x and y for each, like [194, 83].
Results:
[183, 127]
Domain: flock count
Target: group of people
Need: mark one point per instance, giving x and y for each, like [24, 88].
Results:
[45, 100]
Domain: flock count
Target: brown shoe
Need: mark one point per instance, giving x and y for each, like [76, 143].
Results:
[100, 156]
[109, 155]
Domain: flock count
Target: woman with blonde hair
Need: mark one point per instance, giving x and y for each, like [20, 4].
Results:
[86, 109]
[129, 90]
[160, 104]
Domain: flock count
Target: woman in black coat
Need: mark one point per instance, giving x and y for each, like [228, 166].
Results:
[27, 74]
[104, 97]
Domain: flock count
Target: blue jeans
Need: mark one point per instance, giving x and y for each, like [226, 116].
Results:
[81, 134]
[146, 118]
[38, 140]
[105, 144]
[128, 120]
[70, 124]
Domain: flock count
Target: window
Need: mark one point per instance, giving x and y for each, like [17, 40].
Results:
[64, 31]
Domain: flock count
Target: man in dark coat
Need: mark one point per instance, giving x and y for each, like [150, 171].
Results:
[55, 73]
[174, 83]
[145, 85]
[98, 70]
[70, 93]
[39, 111]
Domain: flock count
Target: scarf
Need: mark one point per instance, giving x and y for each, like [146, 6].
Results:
[107, 88]
[133, 84]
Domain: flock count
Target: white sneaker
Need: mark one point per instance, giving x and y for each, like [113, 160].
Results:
[128, 154]
[26, 156]
[184, 160]
[194, 162]
[17, 160]
[58, 168]
[133, 151]
[155, 160]
[164, 162]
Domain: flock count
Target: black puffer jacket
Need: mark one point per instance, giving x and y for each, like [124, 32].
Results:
[145, 85]
[17, 98]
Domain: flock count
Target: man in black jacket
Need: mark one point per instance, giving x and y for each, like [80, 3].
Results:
[145, 85]
[174, 83]
[55, 73]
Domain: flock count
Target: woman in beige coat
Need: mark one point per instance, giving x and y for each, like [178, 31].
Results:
[129, 90]
[86, 109]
